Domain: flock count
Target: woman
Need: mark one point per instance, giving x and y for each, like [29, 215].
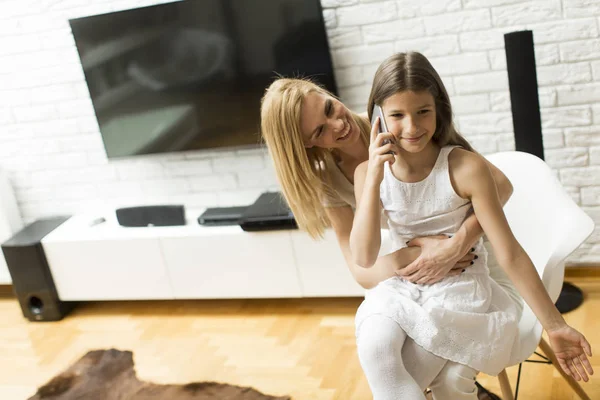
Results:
[316, 143]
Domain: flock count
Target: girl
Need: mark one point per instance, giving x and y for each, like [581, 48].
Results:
[428, 185]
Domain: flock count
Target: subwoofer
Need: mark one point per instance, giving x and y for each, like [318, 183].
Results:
[31, 276]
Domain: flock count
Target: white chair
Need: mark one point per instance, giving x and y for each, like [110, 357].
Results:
[549, 226]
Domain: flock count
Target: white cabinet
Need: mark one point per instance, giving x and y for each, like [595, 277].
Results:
[321, 266]
[123, 269]
[10, 222]
[106, 261]
[231, 263]
[5, 278]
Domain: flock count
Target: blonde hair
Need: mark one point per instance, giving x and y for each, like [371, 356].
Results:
[413, 71]
[301, 172]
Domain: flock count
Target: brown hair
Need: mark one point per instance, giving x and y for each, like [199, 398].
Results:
[413, 71]
[301, 172]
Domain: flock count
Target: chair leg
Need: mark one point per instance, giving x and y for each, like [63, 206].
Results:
[572, 382]
[507, 393]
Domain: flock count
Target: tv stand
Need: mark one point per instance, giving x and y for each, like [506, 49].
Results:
[105, 261]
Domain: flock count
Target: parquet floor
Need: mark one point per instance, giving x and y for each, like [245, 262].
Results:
[304, 348]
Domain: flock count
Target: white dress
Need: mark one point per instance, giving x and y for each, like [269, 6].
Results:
[467, 318]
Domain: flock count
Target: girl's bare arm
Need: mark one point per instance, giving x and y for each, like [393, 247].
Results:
[385, 267]
[472, 178]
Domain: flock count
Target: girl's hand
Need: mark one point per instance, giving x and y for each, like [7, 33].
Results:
[570, 348]
[380, 152]
[440, 257]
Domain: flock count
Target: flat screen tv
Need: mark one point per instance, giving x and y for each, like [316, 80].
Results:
[189, 75]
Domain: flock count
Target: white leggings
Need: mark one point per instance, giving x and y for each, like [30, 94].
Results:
[398, 368]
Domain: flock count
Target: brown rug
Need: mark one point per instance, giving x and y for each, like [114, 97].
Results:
[109, 375]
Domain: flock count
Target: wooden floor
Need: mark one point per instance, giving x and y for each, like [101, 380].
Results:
[304, 348]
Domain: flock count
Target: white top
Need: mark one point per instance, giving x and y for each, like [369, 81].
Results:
[343, 195]
[342, 190]
[467, 318]
[425, 208]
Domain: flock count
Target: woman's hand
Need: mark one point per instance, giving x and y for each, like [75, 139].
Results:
[381, 150]
[571, 348]
[440, 257]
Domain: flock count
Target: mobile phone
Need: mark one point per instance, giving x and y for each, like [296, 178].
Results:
[378, 112]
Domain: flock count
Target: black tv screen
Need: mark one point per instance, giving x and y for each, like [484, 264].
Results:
[189, 75]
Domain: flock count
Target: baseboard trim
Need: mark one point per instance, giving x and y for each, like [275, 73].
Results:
[6, 291]
[590, 271]
[570, 272]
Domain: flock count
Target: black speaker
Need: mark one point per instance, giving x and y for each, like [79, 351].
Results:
[222, 216]
[170, 215]
[269, 212]
[527, 122]
[525, 103]
[32, 280]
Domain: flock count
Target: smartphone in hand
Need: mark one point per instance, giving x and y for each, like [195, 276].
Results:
[378, 112]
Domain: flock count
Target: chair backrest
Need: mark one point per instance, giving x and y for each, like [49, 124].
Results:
[549, 226]
[545, 220]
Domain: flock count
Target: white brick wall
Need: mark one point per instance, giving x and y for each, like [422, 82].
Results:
[51, 147]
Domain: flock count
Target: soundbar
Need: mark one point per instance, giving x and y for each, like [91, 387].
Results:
[165, 215]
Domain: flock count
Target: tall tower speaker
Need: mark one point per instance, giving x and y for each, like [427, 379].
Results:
[527, 122]
[31, 276]
[525, 103]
